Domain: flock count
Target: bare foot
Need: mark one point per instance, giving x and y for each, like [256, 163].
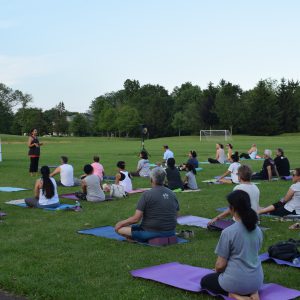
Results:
[255, 296]
[239, 297]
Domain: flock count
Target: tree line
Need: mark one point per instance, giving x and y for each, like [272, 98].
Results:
[269, 108]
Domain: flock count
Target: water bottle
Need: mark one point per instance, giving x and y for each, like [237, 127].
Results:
[77, 204]
[296, 261]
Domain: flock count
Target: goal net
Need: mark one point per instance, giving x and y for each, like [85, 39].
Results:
[215, 135]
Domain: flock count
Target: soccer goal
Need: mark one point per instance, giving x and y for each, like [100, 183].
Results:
[215, 135]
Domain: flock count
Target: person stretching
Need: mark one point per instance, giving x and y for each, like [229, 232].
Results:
[290, 204]
[157, 209]
[45, 191]
[239, 274]
[232, 170]
[244, 176]
[252, 152]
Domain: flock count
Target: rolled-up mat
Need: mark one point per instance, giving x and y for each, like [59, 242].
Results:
[193, 221]
[188, 278]
[11, 189]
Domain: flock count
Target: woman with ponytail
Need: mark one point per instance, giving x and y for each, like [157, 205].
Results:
[238, 268]
[45, 191]
[232, 170]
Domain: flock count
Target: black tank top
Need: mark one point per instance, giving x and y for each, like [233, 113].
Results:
[34, 150]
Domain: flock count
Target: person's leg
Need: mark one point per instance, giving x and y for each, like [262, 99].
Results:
[245, 155]
[210, 282]
[125, 231]
[36, 164]
[213, 161]
[135, 174]
[54, 205]
[227, 181]
[31, 202]
[31, 166]
[257, 176]
[80, 195]
[276, 209]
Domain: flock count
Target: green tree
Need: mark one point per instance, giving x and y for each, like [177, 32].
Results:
[179, 122]
[80, 125]
[127, 120]
[60, 123]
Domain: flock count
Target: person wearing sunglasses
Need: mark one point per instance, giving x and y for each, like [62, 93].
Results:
[290, 204]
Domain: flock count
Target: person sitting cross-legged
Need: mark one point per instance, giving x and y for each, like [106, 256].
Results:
[290, 204]
[157, 210]
[239, 274]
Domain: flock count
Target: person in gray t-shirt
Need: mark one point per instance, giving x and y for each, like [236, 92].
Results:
[238, 267]
[157, 209]
[190, 182]
[91, 186]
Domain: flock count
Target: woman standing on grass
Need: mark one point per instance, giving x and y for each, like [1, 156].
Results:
[34, 152]
[45, 191]
[239, 274]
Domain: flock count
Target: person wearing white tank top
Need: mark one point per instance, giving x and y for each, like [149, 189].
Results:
[123, 177]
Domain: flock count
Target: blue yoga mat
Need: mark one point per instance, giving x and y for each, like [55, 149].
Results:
[11, 189]
[109, 233]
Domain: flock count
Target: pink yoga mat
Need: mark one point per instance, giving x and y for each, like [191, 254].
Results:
[188, 278]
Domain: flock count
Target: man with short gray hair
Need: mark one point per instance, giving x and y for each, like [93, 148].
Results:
[268, 169]
[157, 208]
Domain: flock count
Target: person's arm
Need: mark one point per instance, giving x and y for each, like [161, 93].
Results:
[221, 264]
[118, 177]
[185, 180]
[228, 172]
[83, 186]
[56, 171]
[217, 154]
[131, 220]
[269, 170]
[29, 142]
[276, 171]
[37, 187]
[289, 195]
[222, 215]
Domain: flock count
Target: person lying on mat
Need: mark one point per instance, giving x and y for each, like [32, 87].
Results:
[282, 163]
[232, 170]
[239, 274]
[143, 167]
[190, 182]
[91, 186]
[45, 191]
[220, 155]
[173, 181]
[244, 177]
[252, 152]
[157, 210]
[123, 177]
[192, 161]
[268, 169]
[66, 173]
[290, 204]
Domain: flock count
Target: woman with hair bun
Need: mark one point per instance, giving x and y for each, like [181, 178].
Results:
[45, 191]
[123, 177]
[239, 274]
[232, 170]
[34, 151]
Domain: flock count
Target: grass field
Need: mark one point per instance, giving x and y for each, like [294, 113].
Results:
[42, 256]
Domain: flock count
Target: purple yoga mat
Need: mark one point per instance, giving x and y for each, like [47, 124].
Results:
[193, 221]
[188, 278]
[265, 257]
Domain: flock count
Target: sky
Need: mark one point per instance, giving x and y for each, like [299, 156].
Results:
[76, 50]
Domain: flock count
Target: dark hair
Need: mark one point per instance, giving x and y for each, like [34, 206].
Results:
[48, 187]
[144, 154]
[121, 164]
[297, 171]
[221, 146]
[193, 153]
[32, 130]
[230, 146]
[245, 172]
[171, 162]
[235, 157]
[239, 201]
[64, 159]
[166, 146]
[88, 169]
[281, 151]
[96, 158]
[191, 168]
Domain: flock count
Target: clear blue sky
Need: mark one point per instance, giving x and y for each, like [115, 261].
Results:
[74, 51]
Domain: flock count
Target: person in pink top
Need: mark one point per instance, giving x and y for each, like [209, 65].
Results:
[98, 168]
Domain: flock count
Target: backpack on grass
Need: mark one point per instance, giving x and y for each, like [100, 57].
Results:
[286, 250]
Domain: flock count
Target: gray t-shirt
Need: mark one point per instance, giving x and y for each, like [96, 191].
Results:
[159, 206]
[144, 167]
[93, 189]
[192, 183]
[243, 274]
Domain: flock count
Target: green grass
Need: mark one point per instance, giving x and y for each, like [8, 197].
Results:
[42, 256]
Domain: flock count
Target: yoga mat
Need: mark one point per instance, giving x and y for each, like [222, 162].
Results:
[198, 169]
[188, 278]
[186, 191]
[21, 203]
[265, 257]
[220, 225]
[11, 189]
[152, 165]
[193, 221]
[109, 233]
[72, 196]
[141, 190]
[287, 177]
[2, 214]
